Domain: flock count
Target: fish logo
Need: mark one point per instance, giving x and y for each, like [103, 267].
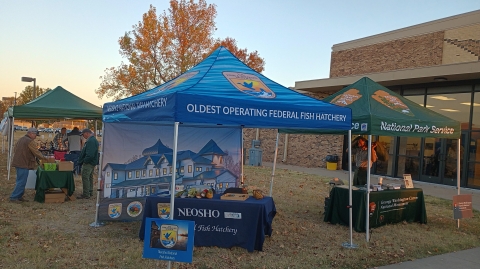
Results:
[168, 235]
[249, 84]
[346, 98]
[173, 83]
[163, 210]
[115, 210]
[392, 102]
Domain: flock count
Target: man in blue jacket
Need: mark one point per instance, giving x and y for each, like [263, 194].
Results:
[88, 159]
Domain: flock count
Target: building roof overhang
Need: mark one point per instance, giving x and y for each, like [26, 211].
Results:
[450, 72]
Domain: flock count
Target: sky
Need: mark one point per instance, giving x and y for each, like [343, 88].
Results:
[70, 43]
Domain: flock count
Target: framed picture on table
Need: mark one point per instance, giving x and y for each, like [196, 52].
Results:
[407, 178]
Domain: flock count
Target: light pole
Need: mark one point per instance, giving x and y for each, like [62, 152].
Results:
[29, 79]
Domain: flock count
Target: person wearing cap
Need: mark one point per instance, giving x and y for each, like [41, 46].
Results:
[24, 160]
[88, 160]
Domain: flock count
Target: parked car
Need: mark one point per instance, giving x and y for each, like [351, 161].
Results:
[24, 128]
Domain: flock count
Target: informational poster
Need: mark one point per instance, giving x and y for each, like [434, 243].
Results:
[138, 162]
[407, 178]
[462, 206]
[170, 240]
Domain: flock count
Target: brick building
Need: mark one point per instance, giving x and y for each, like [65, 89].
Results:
[435, 64]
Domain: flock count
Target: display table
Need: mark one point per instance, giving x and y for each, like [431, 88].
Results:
[221, 223]
[388, 206]
[53, 179]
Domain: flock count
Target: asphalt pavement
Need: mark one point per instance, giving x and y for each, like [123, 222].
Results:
[464, 259]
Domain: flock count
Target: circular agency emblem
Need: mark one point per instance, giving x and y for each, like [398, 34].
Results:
[134, 209]
[249, 84]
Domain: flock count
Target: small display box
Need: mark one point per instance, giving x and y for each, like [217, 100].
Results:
[65, 166]
[54, 196]
[49, 166]
[234, 196]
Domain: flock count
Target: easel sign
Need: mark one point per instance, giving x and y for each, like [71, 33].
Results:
[170, 240]
[462, 206]
[407, 178]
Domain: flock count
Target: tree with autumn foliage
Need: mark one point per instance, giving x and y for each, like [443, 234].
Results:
[160, 48]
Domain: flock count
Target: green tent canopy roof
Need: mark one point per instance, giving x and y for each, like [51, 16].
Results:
[377, 110]
[57, 103]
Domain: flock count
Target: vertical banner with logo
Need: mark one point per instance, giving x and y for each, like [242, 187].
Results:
[170, 240]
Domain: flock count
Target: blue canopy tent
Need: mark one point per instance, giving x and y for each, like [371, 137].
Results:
[222, 90]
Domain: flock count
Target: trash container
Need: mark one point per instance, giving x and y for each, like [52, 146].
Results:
[332, 161]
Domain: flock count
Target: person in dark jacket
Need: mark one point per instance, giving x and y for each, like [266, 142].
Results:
[24, 160]
[88, 159]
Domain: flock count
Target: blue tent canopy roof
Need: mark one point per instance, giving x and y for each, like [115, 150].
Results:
[223, 90]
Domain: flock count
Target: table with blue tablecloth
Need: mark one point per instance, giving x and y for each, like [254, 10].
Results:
[385, 207]
[220, 223]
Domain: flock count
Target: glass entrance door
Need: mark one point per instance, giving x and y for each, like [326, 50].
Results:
[440, 161]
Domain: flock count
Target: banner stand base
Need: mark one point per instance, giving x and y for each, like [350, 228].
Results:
[348, 245]
[97, 224]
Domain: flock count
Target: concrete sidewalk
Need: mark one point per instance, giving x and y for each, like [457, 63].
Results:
[466, 259]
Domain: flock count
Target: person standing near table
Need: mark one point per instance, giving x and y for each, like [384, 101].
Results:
[24, 160]
[361, 160]
[74, 141]
[59, 140]
[88, 160]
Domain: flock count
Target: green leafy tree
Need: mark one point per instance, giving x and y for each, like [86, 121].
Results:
[27, 94]
[159, 48]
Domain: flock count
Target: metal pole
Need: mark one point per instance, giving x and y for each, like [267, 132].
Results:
[97, 205]
[367, 212]
[242, 161]
[350, 183]
[174, 172]
[459, 156]
[34, 95]
[9, 160]
[274, 163]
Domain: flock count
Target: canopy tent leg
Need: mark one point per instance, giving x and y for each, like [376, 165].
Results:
[10, 148]
[350, 182]
[274, 163]
[99, 187]
[242, 161]
[174, 173]
[459, 157]
[369, 164]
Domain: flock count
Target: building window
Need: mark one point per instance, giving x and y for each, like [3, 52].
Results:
[220, 185]
[198, 169]
[164, 171]
[108, 185]
[144, 173]
[207, 169]
[137, 174]
[157, 172]
[190, 168]
[150, 173]
[131, 190]
[220, 159]
[182, 169]
[115, 175]
[108, 174]
[170, 170]
[129, 174]
[226, 185]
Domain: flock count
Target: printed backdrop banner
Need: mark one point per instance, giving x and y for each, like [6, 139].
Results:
[137, 162]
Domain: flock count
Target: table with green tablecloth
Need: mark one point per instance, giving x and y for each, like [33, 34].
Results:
[53, 179]
[387, 206]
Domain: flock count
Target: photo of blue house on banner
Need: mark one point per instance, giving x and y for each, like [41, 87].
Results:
[170, 240]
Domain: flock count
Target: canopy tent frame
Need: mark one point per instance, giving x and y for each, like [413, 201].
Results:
[369, 117]
[54, 104]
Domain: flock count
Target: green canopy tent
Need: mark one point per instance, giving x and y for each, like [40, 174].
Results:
[55, 104]
[377, 110]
